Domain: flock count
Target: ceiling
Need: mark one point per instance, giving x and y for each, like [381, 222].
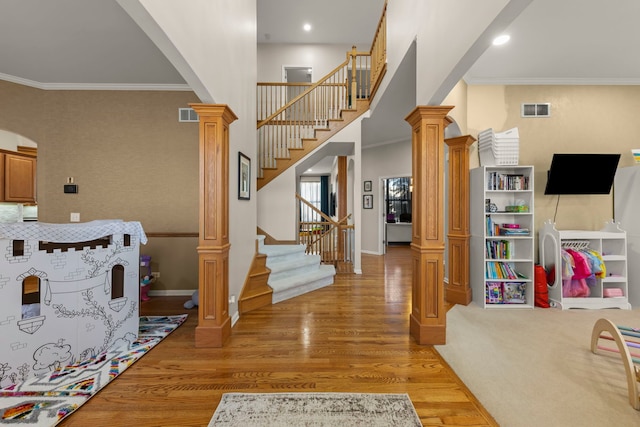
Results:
[83, 42]
[94, 44]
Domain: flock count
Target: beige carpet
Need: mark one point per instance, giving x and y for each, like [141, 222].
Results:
[534, 367]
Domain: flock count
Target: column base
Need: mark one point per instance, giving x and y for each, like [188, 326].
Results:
[427, 334]
[457, 295]
[213, 336]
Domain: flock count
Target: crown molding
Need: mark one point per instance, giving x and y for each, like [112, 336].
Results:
[95, 86]
[566, 81]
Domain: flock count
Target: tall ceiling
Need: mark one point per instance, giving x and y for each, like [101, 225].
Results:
[94, 43]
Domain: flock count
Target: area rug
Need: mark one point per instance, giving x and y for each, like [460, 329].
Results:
[315, 410]
[46, 400]
[535, 367]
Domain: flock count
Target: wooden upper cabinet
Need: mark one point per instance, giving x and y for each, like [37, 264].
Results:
[19, 178]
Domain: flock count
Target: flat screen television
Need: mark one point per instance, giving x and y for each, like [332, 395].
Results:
[581, 173]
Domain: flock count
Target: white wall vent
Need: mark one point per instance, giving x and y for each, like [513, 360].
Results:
[187, 115]
[535, 110]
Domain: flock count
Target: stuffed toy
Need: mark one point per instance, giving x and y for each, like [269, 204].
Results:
[193, 302]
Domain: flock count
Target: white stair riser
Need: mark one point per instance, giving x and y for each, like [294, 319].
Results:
[293, 272]
[300, 290]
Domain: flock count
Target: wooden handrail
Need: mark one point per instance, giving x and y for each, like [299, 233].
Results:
[313, 208]
[324, 236]
[378, 52]
[303, 94]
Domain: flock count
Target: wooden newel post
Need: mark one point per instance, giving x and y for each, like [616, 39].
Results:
[428, 317]
[342, 201]
[457, 290]
[354, 78]
[214, 323]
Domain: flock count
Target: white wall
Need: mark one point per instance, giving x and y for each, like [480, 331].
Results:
[277, 206]
[213, 45]
[322, 58]
[10, 141]
[385, 161]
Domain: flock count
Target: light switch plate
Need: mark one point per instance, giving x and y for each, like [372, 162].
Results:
[75, 217]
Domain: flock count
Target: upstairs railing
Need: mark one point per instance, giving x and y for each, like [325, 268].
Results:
[378, 53]
[290, 112]
[321, 235]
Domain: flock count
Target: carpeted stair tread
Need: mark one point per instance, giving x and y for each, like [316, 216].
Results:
[322, 272]
[281, 250]
[291, 266]
[301, 284]
[293, 272]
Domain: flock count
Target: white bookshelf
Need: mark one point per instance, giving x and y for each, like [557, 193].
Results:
[494, 255]
[610, 242]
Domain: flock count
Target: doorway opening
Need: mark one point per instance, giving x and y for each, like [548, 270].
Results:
[397, 210]
[298, 79]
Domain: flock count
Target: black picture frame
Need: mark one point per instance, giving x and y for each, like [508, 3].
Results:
[244, 177]
[367, 186]
[367, 201]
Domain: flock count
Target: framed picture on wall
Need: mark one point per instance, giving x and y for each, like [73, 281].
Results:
[367, 186]
[244, 177]
[367, 201]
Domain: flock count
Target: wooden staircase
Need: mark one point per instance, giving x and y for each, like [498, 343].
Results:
[307, 145]
[256, 293]
[296, 118]
[281, 272]
[293, 120]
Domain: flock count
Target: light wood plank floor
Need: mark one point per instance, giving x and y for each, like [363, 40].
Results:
[352, 336]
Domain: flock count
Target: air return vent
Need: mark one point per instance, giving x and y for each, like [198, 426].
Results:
[535, 110]
[187, 115]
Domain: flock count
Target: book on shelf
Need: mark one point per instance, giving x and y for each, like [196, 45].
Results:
[502, 270]
[495, 229]
[509, 182]
[498, 249]
[513, 231]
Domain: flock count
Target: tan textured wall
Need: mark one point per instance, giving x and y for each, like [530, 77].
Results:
[584, 119]
[130, 157]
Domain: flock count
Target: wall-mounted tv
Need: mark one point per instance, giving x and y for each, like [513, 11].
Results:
[581, 173]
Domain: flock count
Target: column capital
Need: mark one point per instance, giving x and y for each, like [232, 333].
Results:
[422, 112]
[215, 110]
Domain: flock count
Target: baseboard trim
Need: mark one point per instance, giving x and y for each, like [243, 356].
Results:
[370, 252]
[172, 293]
[235, 318]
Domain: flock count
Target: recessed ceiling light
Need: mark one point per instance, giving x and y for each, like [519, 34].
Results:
[501, 39]
[307, 27]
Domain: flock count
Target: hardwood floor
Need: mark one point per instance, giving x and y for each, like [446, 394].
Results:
[352, 336]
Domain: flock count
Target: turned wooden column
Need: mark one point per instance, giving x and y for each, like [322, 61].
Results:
[457, 290]
[428, 317]
[342, 187]
[214, 323]
[342, 201]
